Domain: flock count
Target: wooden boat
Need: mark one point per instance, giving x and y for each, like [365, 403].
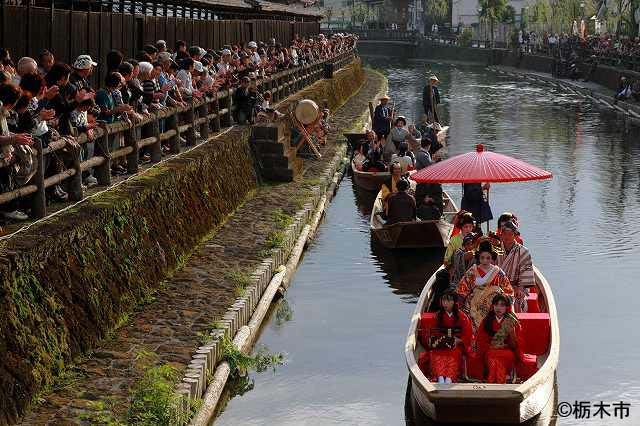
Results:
[484, 402]
[372, 181]
[415, 234]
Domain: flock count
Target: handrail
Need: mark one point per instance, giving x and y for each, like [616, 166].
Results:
[209, 113]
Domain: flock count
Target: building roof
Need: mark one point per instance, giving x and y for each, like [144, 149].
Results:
[300, 8]
[293, 9]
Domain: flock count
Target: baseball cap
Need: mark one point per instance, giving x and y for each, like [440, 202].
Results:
[253, 45]
[198, 66]
[226, 52]
[84, 62]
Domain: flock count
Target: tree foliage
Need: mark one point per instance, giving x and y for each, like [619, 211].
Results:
[436, 11]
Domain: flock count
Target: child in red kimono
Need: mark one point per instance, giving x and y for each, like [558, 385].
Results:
[499, 340]
[445, 364]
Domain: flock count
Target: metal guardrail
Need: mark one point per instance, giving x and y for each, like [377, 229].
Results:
[211, 113]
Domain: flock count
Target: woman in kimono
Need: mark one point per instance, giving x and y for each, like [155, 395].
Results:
[454, 327]
[484, 272]
[499, 340]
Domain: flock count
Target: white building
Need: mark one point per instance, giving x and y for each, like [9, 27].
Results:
[465, 12]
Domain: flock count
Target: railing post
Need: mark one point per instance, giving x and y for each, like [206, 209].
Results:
[203, 112]
[172, 124]
[216, 110]
[156, 147]
[39, 200]
[75, 183]
[190, 135]
[131, 139]
[103, 171]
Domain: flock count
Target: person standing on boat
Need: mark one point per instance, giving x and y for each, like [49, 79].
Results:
[473, 201]
[382, 118]
[484, 273]
[515, 261]
[431, 98]
[499, 340]
[401, 206]
[466, 223]
[449, 341]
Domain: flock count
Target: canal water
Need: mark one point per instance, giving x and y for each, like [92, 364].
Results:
[345, 317]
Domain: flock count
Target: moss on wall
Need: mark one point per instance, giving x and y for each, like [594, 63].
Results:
[65, 282]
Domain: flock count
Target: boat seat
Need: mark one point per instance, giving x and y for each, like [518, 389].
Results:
[532, 303]
[527, 367]
[428, 320]
[536, 332]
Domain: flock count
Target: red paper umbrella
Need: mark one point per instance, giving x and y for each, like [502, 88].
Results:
[480, 166]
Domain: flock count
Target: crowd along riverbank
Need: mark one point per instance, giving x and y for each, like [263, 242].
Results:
[181, 333]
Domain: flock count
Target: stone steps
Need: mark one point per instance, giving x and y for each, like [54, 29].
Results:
[278, 159]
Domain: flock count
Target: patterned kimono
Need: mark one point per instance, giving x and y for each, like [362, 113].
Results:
[448, 362]
[517, 265]
[500, 350]
[476, 277]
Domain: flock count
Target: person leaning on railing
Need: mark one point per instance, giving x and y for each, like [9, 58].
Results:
[62, 105]
[9, 143]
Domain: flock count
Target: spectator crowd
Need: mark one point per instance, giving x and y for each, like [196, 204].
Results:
[44, 100]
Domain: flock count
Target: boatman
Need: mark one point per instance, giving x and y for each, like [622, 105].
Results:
[431, 99]
[382, 117]
[516, 263]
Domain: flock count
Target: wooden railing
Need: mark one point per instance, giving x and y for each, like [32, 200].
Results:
[210, 114]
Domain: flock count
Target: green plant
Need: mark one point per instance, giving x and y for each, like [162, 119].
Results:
[260, 361]
[465, 38]
[281, 219]
[274, 239]
[153, 401]
[241, 279]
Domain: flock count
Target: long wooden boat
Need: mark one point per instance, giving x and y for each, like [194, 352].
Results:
[372, 181]
[484, 402]
[415, 234]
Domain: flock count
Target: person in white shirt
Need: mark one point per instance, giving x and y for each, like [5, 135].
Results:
[255, 56]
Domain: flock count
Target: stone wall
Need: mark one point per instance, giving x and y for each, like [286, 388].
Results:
[66, 281]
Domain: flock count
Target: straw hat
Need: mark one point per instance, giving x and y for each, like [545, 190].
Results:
[384, 97]
[434, 78]
[307, 111]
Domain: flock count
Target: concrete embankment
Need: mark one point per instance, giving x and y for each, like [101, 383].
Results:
[69, 281]
[606, 76]
[227, 266]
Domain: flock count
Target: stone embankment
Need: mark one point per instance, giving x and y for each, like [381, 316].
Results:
[83, 274]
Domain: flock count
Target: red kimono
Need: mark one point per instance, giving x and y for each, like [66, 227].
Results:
[500, 354]
[448, 362]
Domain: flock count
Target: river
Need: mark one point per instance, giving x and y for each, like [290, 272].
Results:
[346, 315]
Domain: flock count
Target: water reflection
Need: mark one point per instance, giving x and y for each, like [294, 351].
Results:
[399, 268]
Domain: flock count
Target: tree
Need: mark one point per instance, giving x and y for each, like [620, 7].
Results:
[436, 11]
[360, 13]
[508, 15]
[328, 13]
[492, 10]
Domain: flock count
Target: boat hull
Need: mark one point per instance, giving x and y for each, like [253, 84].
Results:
[370, 181]
[417, 234]
[424, 234]
[484, 402]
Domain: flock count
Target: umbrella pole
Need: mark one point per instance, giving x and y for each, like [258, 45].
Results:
[488, 222]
